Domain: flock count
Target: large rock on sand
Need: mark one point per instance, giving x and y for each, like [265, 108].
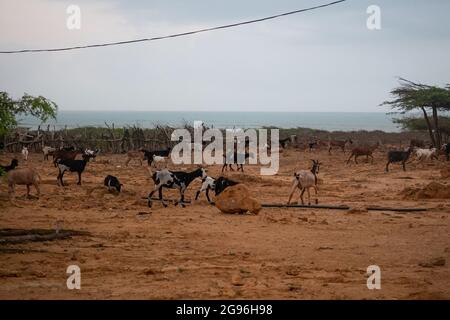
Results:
[237, 199]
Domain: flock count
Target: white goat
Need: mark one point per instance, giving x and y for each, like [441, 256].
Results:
[305, 179]
[25, 153]
[158, 159]
[425, 154]
[46, 150]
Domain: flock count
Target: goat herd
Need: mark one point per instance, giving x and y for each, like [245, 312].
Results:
[65, 160]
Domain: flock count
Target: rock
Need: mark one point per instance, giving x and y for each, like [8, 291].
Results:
[236, 280]
[445, 173]
[435, 262]
[237, 199]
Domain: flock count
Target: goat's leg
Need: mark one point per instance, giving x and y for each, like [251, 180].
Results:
[224, 167]
[28, 191]
[371, 158]
[36, 185]
[317, 197]
[387, 167]
[207, 194]
[294, 187]
[403, 164]
[231, 167]
[197, 194]
[161, 197]
[348, 160]
[301, 195]
[79, 179]
[309, 196]
[149, 198]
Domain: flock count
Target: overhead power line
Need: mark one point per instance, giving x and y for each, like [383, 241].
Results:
[176, 34]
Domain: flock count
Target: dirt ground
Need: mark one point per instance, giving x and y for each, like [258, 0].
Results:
[197, 252]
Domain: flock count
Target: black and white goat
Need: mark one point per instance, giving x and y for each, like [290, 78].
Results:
[208, 183]
[222, 183]
[150, 156]
[174, 180]
[91, 154]
[112, 183]
[398, 156]
[71, 165]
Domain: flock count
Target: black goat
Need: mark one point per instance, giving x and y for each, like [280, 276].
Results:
[398, 156]
[112, 182]
[227, 160]
[446, 149]
[12, 166]
[222, 183]
[283, 142]
[148, 155]
[174, 180]
[72, 166]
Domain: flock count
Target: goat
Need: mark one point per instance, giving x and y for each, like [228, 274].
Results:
[208, 183]
[363, 151]
[222, 183]
[398, 156]
[232, 158]
[284, 141]
[23, 176]
[173, 180]
[312, 145]
[425, 154]
[71, 148]
[65, 155]
[158, 159]
[46, 150]
[135, 154]
[305, 179]
[338, 143]
[12, 166]
[92, 154]
[112, 183]
[149, 155]
[71, 165]
[446, 149]
[25, 153]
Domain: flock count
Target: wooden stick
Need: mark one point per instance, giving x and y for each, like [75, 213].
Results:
[341, 207]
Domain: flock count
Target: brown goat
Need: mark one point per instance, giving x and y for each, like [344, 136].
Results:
[65, 155]
[23, 176]
[363, 151]
[135, 154]
[338, 143]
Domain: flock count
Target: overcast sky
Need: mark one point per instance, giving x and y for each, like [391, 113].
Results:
[324, 60]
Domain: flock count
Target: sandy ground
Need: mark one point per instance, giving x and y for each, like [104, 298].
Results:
[198, 252]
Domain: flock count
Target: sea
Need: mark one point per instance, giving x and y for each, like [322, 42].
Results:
[330, 121]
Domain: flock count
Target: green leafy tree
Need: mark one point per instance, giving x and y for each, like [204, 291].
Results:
[410, 96]
[38, 107]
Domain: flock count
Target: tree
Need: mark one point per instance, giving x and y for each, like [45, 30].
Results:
[38, 107]
[411, 96]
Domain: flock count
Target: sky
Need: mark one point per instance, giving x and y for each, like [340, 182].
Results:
[319, 61]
